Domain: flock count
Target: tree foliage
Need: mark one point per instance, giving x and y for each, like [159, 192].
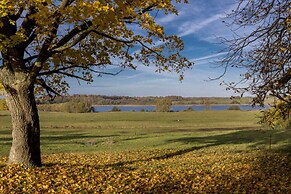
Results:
[277, 116]
[264, 51]
[163, 105]
[3, 105]
[53, 39]
[1, 89]
[115, 109]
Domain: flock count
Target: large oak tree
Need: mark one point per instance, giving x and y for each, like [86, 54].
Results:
[44, 41]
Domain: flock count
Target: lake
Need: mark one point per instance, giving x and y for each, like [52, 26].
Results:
[175, 108]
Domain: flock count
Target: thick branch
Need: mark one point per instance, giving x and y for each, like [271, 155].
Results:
[17, 15]
[30, 58]
[49, 90]
[285, 78]
[73, 43]
[65, 3]
[44, 53]
[83, 35]
[60, 70]
[72, 34]
[28, 24]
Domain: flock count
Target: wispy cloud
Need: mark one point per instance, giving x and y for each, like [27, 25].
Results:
[167, 19]
[191, 27]
[208, 58]
[134, 76]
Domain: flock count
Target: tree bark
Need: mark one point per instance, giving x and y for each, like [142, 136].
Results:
[25, 147]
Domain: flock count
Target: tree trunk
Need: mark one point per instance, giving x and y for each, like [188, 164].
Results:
[25, 147]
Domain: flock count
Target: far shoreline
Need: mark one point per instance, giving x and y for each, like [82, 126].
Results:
[179, 105]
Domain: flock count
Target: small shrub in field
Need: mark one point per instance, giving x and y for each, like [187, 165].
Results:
[3, 105]
[234, 107]
[189, 109]
[70, 107]
[116, 109]
[278, 116]
[163, 105]
[77, 107]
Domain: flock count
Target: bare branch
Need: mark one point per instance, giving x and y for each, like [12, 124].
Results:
[73, 76]
[65, 3]
[265, 53]
[113, 38]
[30, 58]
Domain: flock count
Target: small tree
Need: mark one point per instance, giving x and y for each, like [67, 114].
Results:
[189, 109]
[75, 106]
[233, 107]
[115, 109]
[163, 105]
[207, 104]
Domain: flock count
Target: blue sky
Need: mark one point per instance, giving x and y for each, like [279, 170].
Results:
[199, 24]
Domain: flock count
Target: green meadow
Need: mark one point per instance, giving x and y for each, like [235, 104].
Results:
[121, 131]
[152, 152]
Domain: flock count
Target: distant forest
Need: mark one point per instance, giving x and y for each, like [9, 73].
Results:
[151, 100]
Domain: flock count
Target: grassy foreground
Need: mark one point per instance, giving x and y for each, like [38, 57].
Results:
[186, 152]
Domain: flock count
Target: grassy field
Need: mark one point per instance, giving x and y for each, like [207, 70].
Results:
[121, 131]
[135, 152]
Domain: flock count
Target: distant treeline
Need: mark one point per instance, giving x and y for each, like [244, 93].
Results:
[84, 103]
[151, 100]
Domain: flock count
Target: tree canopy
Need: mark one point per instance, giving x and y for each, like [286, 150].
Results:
[263, 49]
[1, 88]
[53, 39]
[163, 104]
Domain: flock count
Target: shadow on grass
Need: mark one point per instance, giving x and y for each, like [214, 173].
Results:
[255, 139]
[5, 141]
[72, 136]
[5, 131]
[266, 164]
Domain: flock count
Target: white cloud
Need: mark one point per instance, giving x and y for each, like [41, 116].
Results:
[191, 27]
[208, 59]
[167, 19]
[216, 55]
